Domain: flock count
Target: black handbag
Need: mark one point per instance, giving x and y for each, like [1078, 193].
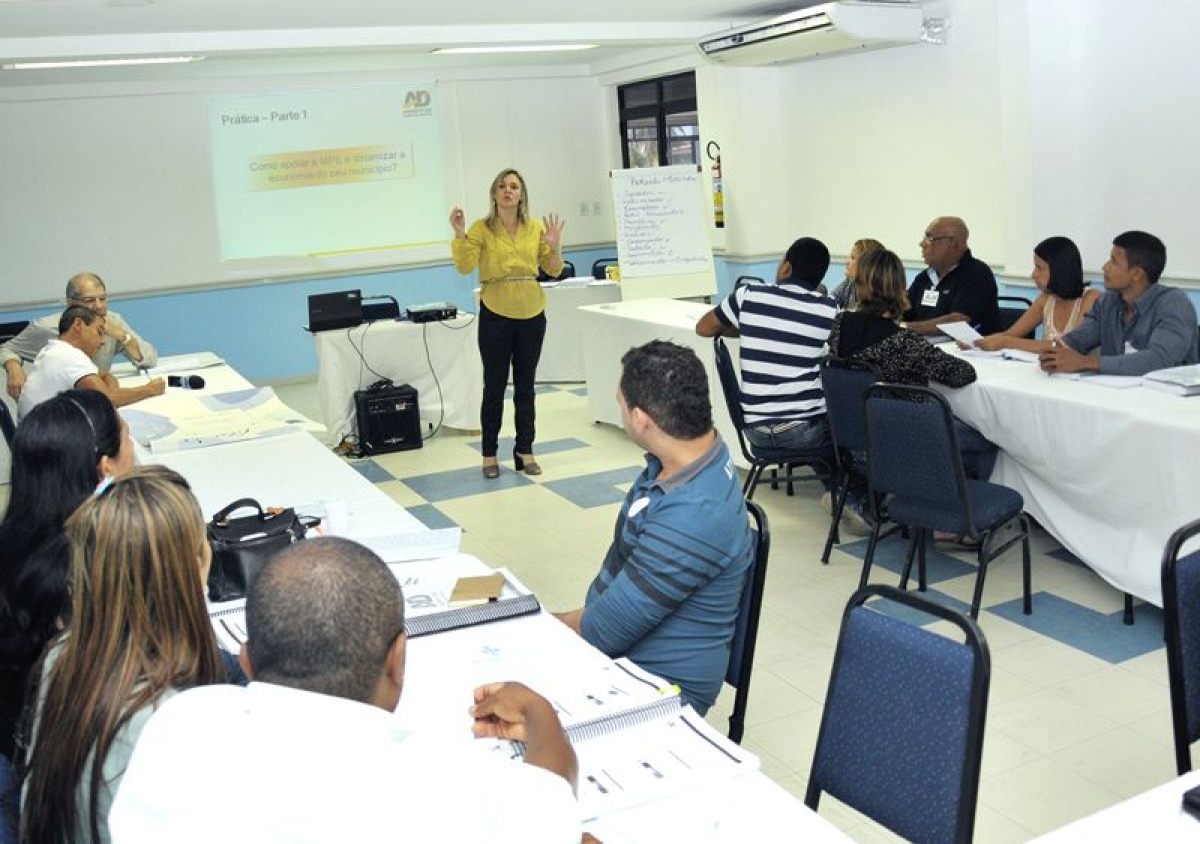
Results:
[242, 545]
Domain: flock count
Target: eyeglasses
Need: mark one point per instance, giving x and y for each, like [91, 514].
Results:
[934, 238]
[88, 301]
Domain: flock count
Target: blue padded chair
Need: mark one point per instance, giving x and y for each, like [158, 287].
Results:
[913, 457]
[902, 732]
[844, 383]
[10, 801]
[819, 460]
[601, 265]
[567, 271]
[1181, 608]
[1012, 312]
[745, 633]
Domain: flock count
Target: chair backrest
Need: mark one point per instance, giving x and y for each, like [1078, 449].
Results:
[744, 280]
[731, 388]
[745, 633]
[1010, 313]
[902, 732]
[9, 330]
[7, 425]
[912, 450]
[1181, 610]
[599, 265]
[845, 383]
[567, 271]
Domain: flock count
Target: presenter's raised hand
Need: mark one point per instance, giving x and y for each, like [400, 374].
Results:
[553, 225]
[458, 221]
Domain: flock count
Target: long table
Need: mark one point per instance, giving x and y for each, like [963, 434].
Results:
[562, 352]
[1109, 472]
[1156, 815]
[439, 359]
[295, 469]
[613, 329]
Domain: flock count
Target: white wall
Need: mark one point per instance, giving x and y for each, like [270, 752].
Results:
[116, 178]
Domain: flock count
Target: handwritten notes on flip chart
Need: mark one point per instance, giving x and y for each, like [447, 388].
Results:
[661, 223]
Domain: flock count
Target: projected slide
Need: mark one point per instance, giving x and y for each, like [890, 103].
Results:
[327, 171]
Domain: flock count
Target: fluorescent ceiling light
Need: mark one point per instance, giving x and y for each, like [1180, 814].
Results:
[50, 65]
[526, 48]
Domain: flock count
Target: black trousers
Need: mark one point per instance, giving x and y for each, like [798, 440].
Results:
[505, 343]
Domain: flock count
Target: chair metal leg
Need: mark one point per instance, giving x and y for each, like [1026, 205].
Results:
[922, 573]
[1026, 574]
[752, 478]
[977, 598]
[834, 537]
[1128, 617]
[909, 555]
[870, 556]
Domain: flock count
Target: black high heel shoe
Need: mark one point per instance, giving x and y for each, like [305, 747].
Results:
[526, 464]
[491, 471]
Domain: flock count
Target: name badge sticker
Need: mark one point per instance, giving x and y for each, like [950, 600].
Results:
[930, 298]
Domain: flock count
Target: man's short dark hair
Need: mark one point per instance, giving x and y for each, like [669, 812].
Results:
[73, 313]
[1144, 250]
[809, 259]
[667, 381]
[321, 616]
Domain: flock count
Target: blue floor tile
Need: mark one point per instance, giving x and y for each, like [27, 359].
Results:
[1103, 635]
[594, 490]
[890, 555]
[442, 486]
[372, 471]
[505, 446]
[432, 517]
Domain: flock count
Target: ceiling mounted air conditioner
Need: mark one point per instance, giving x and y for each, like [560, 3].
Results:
[817, 31]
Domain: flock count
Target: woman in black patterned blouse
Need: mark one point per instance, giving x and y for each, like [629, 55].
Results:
[874, 334]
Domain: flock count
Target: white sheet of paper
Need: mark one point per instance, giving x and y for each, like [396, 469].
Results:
[961, 331]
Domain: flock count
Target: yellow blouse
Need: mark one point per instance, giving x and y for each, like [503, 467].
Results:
[508, 266]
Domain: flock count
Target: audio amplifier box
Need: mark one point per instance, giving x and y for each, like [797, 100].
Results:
[388, 420]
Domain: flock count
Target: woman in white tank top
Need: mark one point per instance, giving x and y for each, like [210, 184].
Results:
[1064, 301]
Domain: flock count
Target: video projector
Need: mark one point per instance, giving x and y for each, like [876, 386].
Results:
[432, 312]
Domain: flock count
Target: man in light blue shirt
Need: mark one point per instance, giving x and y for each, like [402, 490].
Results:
[1138, 326]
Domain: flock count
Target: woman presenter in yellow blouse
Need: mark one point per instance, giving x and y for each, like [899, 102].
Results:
[508, 247]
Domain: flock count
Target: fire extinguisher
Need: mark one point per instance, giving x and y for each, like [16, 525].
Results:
[718, 193]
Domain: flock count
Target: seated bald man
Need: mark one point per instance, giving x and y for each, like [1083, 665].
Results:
[86, 290]
[955, 287]
[67, 362]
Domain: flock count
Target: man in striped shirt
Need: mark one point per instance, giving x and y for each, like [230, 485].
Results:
[667, 595]
[784, 328]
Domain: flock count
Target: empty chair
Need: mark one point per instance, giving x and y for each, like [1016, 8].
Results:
[901, 736]
[745, 633]
[744, 280]
[820, 460]
[1011, 312]
[600, 265]
[9, 330]
[567, 271]
[1181, 608]
[844, 383]
[913, 457]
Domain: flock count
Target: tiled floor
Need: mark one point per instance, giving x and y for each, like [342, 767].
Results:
[1079, 713]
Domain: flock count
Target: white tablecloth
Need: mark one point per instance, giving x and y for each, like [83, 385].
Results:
[1111, 473]
[1154, 816]
[562, 352]
[448, 379]
[613, 329]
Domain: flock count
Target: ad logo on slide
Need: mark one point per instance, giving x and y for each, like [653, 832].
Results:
[417, 103]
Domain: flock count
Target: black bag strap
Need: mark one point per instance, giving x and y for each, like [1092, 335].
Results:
[223, 514]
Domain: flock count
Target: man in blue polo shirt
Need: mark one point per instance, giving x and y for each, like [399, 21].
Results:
[668, 592]
[784, 328]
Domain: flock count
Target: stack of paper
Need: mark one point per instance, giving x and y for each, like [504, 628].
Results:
[1179, 380]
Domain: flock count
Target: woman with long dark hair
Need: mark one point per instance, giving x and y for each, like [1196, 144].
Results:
[507, 247]
[1061, 305]
[62, 449]
[139, 633]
